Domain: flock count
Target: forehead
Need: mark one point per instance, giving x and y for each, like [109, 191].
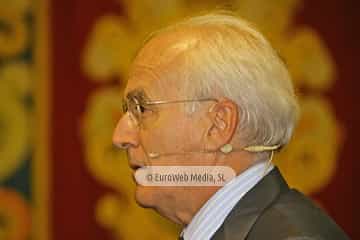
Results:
[158, 59]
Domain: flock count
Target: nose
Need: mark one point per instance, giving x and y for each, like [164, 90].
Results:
[126, 133]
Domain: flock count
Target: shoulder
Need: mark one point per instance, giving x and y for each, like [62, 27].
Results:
[292, 216]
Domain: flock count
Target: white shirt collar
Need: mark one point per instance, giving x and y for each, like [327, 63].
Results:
[213, 213]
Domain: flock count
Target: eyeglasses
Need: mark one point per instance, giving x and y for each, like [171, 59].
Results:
[139, 106]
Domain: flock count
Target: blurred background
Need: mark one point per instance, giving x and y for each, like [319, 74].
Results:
[63, 68]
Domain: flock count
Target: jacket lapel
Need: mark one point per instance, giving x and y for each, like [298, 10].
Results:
[239, 222]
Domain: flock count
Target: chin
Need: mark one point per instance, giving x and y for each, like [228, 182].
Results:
[149, 197]
[143, 197]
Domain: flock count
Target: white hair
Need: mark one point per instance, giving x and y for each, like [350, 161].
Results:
[234, 60]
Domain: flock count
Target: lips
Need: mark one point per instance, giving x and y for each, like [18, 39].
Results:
[135, 166]
[134, 178]
[137, 169]
[133, 163]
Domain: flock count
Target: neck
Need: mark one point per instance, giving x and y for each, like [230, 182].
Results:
[193, 203]
[197, 197]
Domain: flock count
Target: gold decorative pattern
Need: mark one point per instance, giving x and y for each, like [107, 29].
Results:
[18, 77]
[15, 220]
[16, 7]
[14, 131]
[24, 67]
[304, 48]
[309, 161]
[13, 34]
[110, 49]
[119, 216]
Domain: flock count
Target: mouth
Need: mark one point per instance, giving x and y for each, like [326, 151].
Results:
[135, 173]
[134, 178]
[136, 166]
[133, 163]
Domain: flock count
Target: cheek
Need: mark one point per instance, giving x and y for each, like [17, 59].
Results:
[173, 131]
[161, 134]
[169, 132]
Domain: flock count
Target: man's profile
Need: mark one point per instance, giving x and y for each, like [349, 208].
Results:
[211, 91]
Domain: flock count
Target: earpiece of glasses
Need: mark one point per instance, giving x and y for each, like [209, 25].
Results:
[137, 103]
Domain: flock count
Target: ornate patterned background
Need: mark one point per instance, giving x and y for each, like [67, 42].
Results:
[62, 70]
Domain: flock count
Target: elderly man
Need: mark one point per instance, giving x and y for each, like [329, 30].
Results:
[211, 91]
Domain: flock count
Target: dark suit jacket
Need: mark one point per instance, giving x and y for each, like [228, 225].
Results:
[273, 211]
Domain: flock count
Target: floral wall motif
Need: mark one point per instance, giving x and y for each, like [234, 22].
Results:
[16, 111]
[19, 82]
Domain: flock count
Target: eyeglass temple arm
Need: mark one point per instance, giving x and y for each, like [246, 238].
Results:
[181, 101]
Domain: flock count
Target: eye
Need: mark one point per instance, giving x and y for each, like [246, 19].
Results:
[141, 108]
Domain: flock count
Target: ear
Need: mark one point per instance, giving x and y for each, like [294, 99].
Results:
[224, 120]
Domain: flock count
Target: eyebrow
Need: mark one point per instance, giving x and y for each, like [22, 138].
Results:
[137, 89]
[138, 92]
[148, 101]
